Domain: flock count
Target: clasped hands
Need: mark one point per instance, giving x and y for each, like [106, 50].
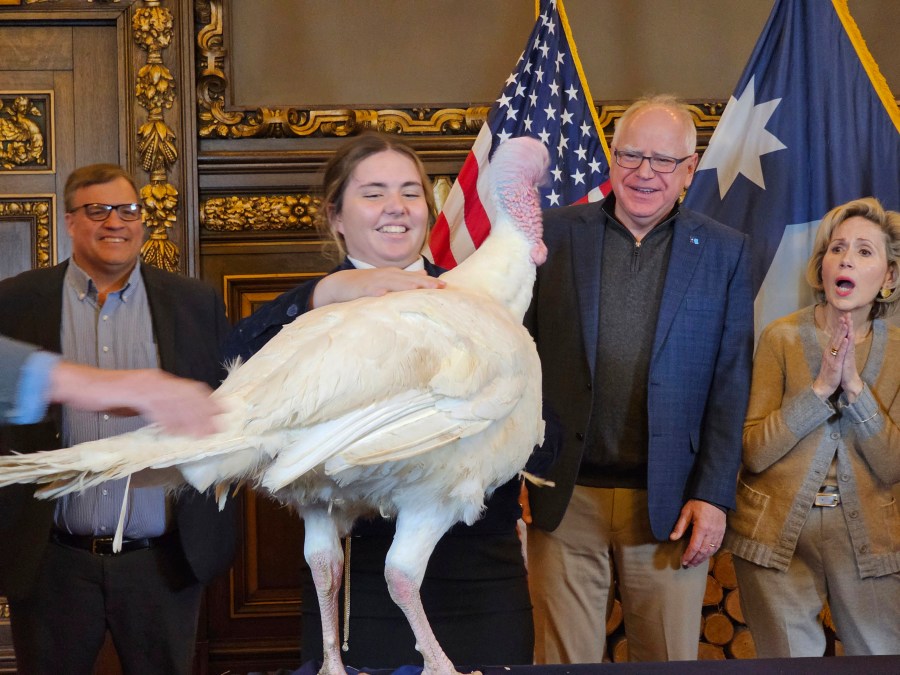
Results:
[839, 364]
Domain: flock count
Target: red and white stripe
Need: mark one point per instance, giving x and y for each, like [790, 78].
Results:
[465, 222]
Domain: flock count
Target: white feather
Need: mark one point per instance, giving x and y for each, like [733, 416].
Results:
[415, 403]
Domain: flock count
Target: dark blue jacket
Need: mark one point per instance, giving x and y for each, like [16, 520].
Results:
[699, 379]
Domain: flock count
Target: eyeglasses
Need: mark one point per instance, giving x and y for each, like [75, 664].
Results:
[659, 163]
[100, 212]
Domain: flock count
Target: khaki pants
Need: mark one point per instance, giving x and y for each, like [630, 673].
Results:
[782, 608]
[570, 574]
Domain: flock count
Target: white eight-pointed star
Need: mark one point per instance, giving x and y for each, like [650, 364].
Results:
[740, 139]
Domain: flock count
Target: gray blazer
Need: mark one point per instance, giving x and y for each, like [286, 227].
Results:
[190, 328]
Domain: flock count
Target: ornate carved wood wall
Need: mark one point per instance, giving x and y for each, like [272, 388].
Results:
[231, 194]
[83, 82]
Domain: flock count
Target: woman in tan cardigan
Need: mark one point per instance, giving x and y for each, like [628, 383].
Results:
[816, 516]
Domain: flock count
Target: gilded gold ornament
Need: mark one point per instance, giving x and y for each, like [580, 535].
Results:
[260, 213]
[21, 137]
[40, 212]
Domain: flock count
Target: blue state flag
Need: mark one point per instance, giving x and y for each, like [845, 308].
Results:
[811, 124]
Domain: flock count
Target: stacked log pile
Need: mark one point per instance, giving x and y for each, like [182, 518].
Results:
[723, 633]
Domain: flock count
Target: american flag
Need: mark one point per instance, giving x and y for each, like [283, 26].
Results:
[545, 97]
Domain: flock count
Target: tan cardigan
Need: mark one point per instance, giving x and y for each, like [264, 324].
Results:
[790, 440]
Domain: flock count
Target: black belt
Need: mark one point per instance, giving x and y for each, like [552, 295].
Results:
[104, 545]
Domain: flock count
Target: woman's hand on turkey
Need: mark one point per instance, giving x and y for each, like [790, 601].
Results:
[349, 285]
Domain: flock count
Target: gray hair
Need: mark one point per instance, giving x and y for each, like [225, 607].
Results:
[668, 102]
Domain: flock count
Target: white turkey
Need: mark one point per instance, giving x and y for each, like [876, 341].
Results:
[413, 405]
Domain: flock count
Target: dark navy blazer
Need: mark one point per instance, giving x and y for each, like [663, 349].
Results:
[699, 377]
[251, 333]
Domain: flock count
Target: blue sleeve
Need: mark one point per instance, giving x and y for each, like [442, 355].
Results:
[31, 398]
[719, 459]
[252, 333]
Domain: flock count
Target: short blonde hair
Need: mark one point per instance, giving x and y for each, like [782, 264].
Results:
[887, 221]
[340, 168]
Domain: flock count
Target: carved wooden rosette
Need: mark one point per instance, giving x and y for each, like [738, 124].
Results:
[152, 28]
[260, 212]
[242, 213]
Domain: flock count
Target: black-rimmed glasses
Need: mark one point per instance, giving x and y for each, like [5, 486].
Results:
[659, 163]
[100, 212]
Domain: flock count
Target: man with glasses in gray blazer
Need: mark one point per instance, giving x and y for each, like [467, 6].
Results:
[65, 585]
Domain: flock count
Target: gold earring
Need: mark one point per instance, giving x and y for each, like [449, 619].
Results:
[886, 292]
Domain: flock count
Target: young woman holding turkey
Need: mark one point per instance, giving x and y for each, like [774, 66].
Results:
[816, 518]
[378, 208]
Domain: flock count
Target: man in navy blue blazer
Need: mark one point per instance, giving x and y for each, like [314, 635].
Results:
[643, 319]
